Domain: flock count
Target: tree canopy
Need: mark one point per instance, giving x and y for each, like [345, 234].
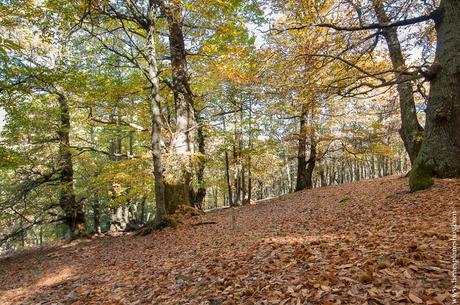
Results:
[118, 114]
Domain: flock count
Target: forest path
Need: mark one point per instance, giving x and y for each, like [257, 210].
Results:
[368, 242]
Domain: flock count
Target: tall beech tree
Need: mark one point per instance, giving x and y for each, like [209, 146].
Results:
[440, 152]
[155, 103]
[74, 214]
[183, 142]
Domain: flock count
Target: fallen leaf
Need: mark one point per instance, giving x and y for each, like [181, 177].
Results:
[415, 298]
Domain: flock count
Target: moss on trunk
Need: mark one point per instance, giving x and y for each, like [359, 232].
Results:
[420, 177]
[176, 195]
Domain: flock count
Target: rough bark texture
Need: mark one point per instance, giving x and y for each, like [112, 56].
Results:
[156, 120]
[74, 216]
[175, 195]
[185, 120]
[440, 152]
[182, 94]
[411, 131]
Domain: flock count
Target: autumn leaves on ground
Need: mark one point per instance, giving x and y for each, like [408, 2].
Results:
[369, 242]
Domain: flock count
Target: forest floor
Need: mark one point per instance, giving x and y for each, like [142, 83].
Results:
[369, 242]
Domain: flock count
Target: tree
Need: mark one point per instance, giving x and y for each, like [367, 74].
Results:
[439, 156]
[411, 131]
[30, 72]
[156, 119]
[440, 152]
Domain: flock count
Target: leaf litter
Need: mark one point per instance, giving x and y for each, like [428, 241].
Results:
[384, 246]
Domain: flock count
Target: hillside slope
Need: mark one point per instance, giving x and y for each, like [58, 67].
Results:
[369, 242]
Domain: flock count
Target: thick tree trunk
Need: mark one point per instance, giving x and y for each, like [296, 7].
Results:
[185, 120]
[118, 219]
[74, 215]
[155, 102]
[411, 131]
[176, 194]
[440, 152]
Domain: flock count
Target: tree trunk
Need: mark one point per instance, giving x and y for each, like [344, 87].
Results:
[261, 190]
[155, 102]
[199, 196]
[411, 131]
[243, 185]
[185, 120]
[322, 178]
[301, 156]
[97, 218]
[249, 181]
[142, 213]
[237, 162]
[312, 158]
[249, 155]
[440, 152]
[74, 215]
[227, 169]
[118, 222]
[176, 194]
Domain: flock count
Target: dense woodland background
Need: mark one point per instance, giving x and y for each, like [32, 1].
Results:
[119, 112]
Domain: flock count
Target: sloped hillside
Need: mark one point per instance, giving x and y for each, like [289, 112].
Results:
[369, 242]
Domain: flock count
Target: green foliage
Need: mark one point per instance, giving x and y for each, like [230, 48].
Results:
[10, 159]
[247, 98]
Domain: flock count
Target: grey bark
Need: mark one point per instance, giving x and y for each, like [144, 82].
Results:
[155, 103]
[440, 152]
